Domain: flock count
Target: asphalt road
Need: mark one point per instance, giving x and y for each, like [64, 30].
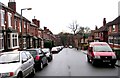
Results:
[72, 62]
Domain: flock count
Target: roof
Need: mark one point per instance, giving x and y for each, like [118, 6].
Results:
[98, 43]
[103, 28]
[114, 22]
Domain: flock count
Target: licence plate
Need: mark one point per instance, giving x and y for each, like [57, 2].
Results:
[106, 60]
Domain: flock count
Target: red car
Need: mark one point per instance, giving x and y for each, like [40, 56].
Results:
[101, 52]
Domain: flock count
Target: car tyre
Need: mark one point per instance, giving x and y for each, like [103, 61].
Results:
[88, 59]
[50, 58]
[47, 63]
[93, 63]
[41, 66]
[20, 75]
[33, 72]
[112, 65]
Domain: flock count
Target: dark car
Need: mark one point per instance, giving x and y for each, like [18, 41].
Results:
[48, 53]
[39, 58]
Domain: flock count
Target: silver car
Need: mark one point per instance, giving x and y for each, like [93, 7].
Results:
[16, 64]
[48, 53]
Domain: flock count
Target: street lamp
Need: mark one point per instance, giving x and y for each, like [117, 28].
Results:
[21, 26]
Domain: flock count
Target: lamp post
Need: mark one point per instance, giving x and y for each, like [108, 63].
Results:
[21, 17]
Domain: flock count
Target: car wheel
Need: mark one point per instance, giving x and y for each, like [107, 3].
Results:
[41, 66]
[33, 72]
[51, 58]
[112, 65]
[46, 62]
[19, 75]
[93, 62]
[88, 59]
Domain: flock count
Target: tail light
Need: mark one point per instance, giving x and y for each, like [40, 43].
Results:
[11, 73]
[37, 58]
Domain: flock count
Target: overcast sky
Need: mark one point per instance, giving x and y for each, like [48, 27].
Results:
[57, 15]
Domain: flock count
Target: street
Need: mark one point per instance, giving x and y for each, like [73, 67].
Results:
[72, 62]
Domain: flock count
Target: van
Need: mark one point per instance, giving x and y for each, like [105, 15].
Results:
[101, 52]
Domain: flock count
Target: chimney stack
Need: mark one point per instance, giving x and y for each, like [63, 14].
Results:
[12, 4]
[36, 22]
[104, 21]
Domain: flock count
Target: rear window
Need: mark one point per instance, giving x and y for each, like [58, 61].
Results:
[102, 48]
[33, 52]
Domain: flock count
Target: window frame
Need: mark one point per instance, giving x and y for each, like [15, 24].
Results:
[12, 39]
[2, 40]
[9, 19]
[2, 17]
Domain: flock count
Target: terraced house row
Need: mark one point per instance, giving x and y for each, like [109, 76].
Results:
[109, 32]
[11, 35]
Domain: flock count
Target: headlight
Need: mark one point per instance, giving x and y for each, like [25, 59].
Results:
[7, 74]
[113, 57]
[97, 57]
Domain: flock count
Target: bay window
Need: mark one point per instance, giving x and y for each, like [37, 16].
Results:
[9, 19]
[2, 17]
[1, 42]
[12, 40]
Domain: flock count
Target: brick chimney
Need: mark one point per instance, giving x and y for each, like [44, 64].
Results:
[34, 21]
[104, 21]
[96, 28]
[45, 28]
[38, 23]
[12, 4]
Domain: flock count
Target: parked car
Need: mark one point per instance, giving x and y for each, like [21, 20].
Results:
[48, 53]
[39, 58]
[16, 64]
[101, 52]
[55, 50]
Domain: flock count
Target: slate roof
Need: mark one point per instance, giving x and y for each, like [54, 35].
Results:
[114, 22]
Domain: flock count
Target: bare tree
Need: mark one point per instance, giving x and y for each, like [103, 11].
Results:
[87, 30]
[74, 27]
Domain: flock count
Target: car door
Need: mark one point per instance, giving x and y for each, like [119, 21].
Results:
[43, 56]
[30, 61]
[25, 63]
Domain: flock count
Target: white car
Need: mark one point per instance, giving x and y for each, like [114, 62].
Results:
[16, 64]
[48, 54]
[55, 50]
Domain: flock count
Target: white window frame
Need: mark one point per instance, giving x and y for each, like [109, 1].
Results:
[20, 26]
[15, 24]
[11, 41]
[2, 40]
[2, 17]
[24, 43]
[113, 28]
[9, 19]
[109, 38]
[25, 25]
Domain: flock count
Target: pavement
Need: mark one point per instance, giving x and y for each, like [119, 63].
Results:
[117, 63]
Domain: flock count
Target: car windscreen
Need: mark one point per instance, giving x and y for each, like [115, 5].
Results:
[45, 50]
[102, 48]
[9, 58]
[33, 52]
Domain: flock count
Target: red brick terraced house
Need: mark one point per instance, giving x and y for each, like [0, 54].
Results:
[114, 33]
[10, 30]
[101, 34]
[8, 34]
